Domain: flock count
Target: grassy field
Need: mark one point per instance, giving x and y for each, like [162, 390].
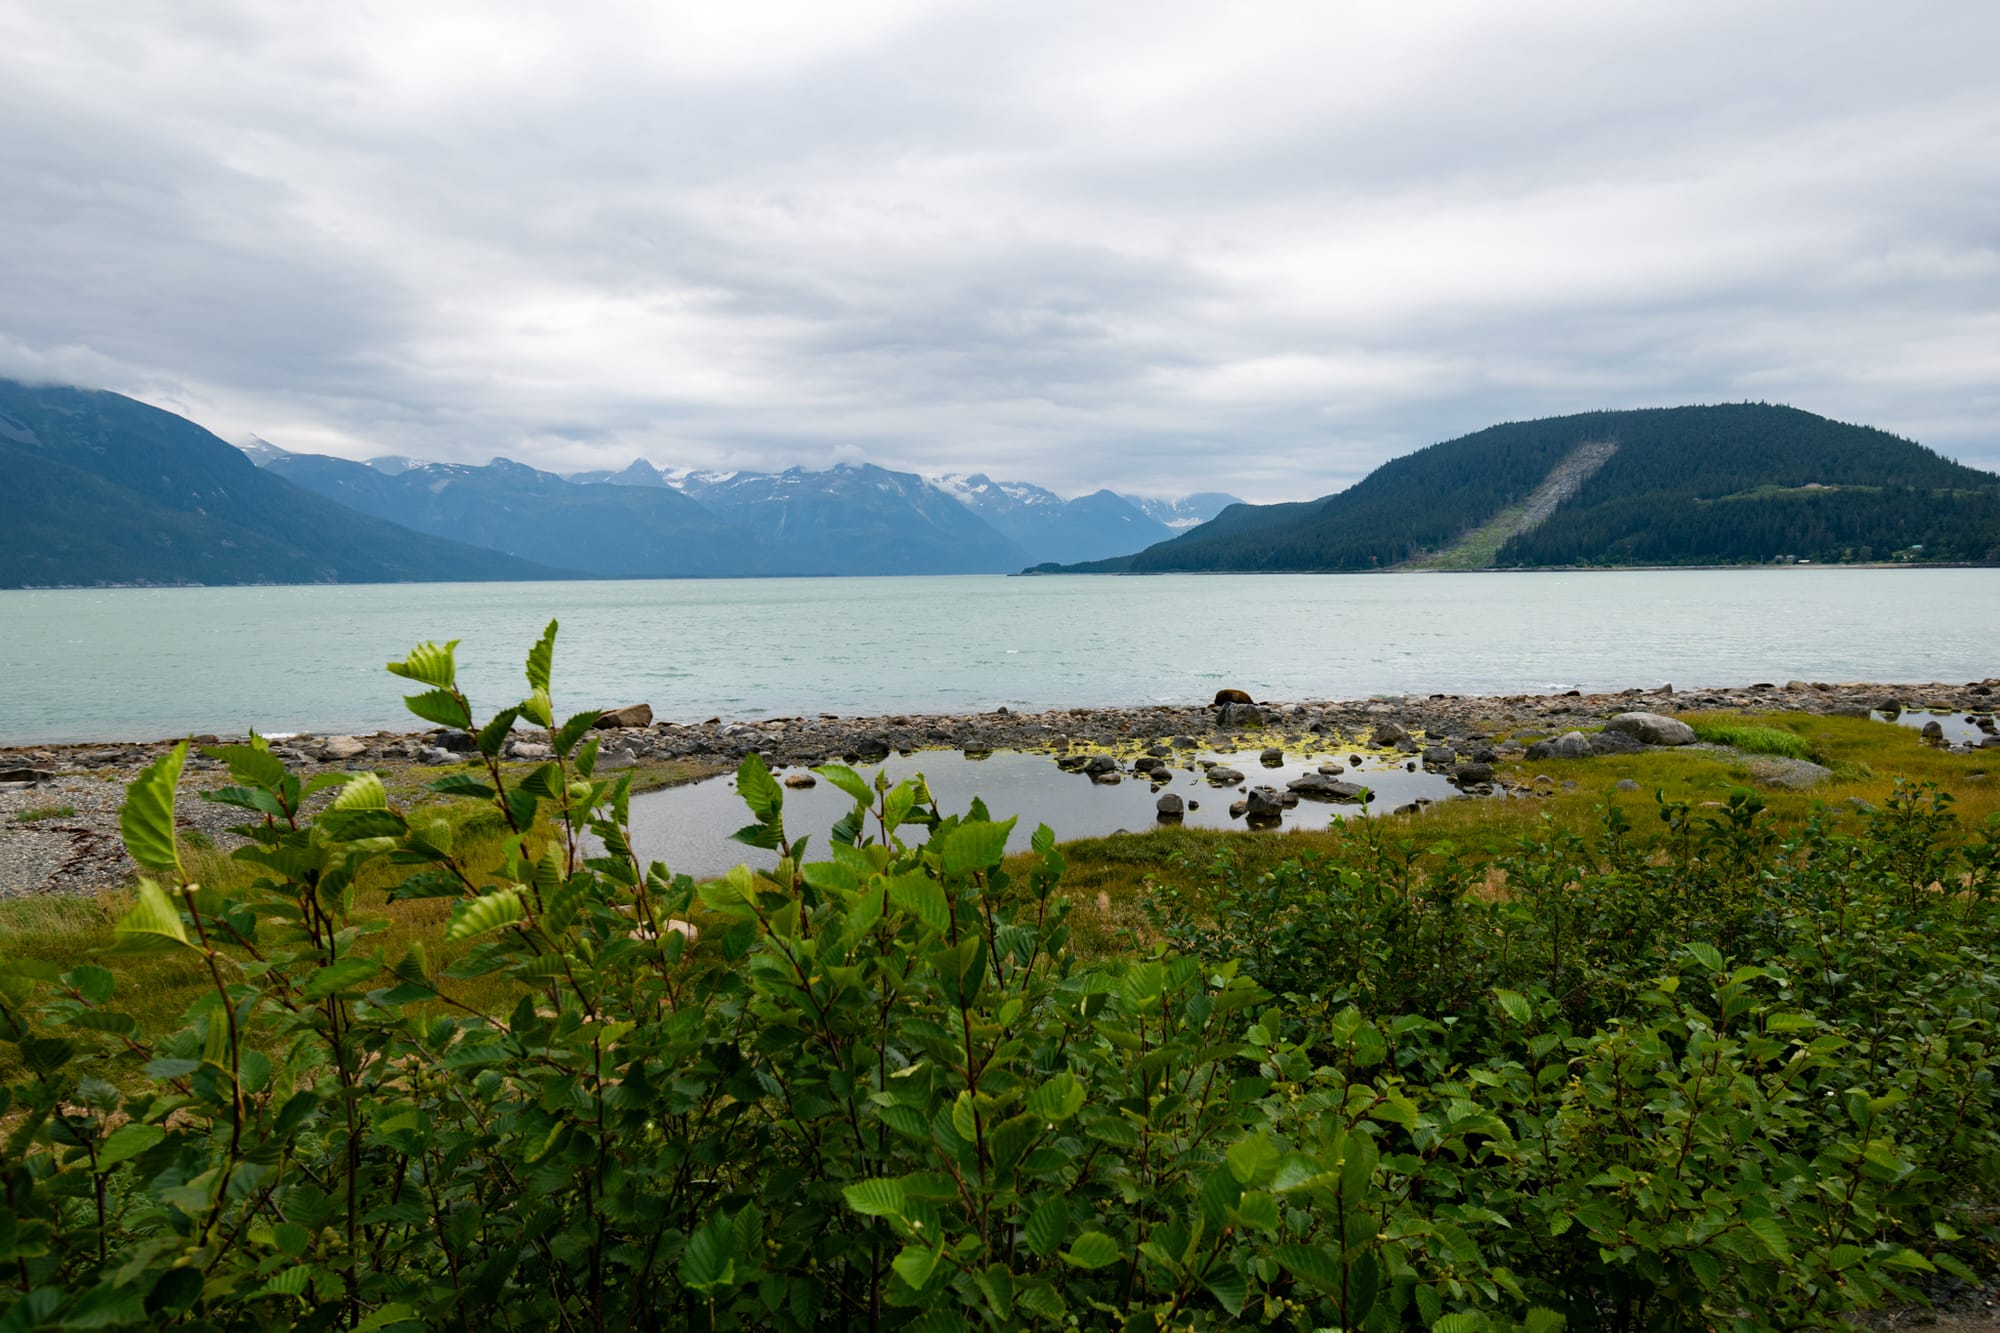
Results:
[1109, 878]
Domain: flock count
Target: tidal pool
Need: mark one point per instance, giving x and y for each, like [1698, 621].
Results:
[688, 827]
[1961, 730]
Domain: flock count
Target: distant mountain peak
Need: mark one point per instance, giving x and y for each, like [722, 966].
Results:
[260, 450]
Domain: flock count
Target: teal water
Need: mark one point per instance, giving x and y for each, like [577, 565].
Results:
[141, 663]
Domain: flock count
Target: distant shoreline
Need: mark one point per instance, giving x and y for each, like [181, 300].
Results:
[1022, 573]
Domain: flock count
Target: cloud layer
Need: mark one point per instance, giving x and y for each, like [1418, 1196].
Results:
[1163, 247]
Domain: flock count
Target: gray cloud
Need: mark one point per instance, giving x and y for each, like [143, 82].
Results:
[1161, 247]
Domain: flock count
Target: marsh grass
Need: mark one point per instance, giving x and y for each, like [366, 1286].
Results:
[1751, 737]
[41, 812]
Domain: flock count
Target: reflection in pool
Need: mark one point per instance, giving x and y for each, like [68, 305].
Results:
[1960, 729]
[688, 827]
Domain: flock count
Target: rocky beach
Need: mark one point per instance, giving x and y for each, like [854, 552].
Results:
[59, 803]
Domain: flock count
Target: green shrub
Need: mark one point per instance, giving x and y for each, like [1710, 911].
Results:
[1751, 738]
[882, 1092]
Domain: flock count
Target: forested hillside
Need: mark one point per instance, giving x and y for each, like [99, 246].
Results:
[1745, 482]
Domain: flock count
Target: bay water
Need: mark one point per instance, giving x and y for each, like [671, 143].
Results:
[145, 663]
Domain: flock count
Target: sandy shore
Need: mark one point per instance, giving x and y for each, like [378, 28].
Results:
[59, 803]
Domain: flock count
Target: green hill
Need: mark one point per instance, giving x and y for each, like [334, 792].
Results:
[1738, 483]
[103, 489]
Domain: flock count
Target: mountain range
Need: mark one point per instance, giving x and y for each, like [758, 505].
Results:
[109, 490]
[1730, 484]
[102, 489]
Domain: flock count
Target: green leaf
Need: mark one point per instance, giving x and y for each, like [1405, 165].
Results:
[974, 845]
[494, 734]
[575, 730]
[395, 1312]
[1092, 1249]
[1515, 1003]
[428, 664]
[1769, 1232]
[1310, 1263]
[127, 1141]
[1230, 1287]
[1543, 1320]
[147, 818]
[923, 898]
[342, 974]
[96, 984]
[1462, 1322]
[845, 778]
[440, 706]
[706, 1264]
[1058, 1099]
[462, 784]
[1253, 1159]
[916, 1263]
[1048, 1225]
[363, 791]
[490, 911]
[541, 659]
[876, 1198]
[758, 789]
[153, 921]
[1707, 955]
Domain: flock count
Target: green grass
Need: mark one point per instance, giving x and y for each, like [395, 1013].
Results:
[42, 812]
[1751, 737]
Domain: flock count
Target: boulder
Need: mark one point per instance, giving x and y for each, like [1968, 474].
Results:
[632, 715]
[26, 775]
[872, 747]
[1170, 807]
[801, 780]
[1263, 803]
[1624, 784]
[1320, 787]
[1223, 776]
[1108, 779]
[1788, 774]
[1100, 764]
[1615, 742]
[1391, 733]
[1239, 715]
[1652, 728]
[529, 750]
[337, 748]
[1467, 775]
[1933, 731]
[1569, 745]
[1272, 758]
[1439, 756]
[460, 741]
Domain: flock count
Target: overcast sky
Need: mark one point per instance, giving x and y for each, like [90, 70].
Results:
[1161, 246]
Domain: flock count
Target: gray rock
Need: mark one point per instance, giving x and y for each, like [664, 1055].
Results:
[1933, 731]
[1110, 778]
[1169, 807]
[338, 748]
[529, 750]
[1223, 776]
[1788, 774]
[1100, 764]
[1390, 733]
[1624, 784]
[1652, 728]
[1272, 758]
[1321, 787]
[1239, 715]
[801, 780]
[1614, 742]
[616, 759]
[1569, 745]
[461, 741]
[1467, 775]
[437, 754]
[632, 715]
[1263, 803]
[1439, 756]
[26, 776]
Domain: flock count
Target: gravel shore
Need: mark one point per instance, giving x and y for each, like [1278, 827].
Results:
[59, 804]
